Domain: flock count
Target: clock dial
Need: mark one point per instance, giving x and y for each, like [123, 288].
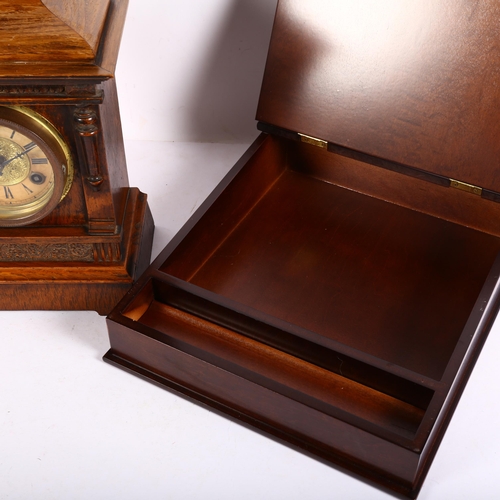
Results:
[34, 176]
[26, 174]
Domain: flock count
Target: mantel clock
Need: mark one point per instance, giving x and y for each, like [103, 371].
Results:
[73, 234]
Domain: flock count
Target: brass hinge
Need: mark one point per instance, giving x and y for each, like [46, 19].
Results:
[320, 143]
[463, 186]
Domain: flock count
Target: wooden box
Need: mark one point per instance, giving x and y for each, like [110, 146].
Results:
[336, 288]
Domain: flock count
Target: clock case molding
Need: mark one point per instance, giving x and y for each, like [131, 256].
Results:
[58, 59]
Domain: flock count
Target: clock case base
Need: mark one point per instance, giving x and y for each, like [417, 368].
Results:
[98, 285]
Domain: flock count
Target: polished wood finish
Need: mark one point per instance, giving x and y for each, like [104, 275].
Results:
[87, 19]
[88, 251]
[306, 263]
[59, 281]
[337, 297]
[60, 40]
[420, 77]
[51, 30]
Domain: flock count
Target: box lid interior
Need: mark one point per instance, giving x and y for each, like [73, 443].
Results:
[417, 83]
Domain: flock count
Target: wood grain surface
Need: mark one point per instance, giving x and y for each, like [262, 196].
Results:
[412, 82]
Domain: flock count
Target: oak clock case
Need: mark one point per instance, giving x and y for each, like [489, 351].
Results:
[73, 233]
[34, 177]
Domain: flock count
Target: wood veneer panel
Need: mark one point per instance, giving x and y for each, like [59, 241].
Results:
[61, 40]
[86, 18]
[45, 36]
[412, 82]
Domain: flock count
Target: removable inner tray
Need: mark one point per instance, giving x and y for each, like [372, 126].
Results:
[349, 268]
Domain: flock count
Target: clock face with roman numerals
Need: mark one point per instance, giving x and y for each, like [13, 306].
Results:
[26, 174]
[33, 175]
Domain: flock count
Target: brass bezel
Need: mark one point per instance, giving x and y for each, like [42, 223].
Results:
[51, 142]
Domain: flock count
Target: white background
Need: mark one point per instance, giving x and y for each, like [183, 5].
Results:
[191, 70]
[73, 427]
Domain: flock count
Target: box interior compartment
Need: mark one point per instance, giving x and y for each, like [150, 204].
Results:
[343, 266]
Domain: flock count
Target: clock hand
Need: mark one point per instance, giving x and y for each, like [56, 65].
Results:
[27, 149]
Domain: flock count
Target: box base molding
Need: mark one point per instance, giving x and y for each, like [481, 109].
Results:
[306, 429]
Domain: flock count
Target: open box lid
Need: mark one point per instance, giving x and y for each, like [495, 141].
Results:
[414, 83]
[51, 38]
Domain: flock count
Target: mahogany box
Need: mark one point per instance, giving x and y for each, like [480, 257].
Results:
[336, 288]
